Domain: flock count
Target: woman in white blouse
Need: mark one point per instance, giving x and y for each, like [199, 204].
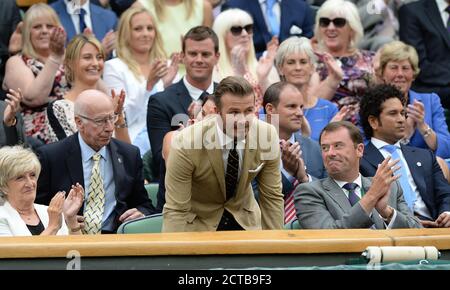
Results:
[141, 68]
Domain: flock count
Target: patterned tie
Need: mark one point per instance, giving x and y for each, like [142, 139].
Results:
[352, 196]
[95, 203]
[409, 195]
[272, 18]
[231, 177]
[289, 208]
[82, 23]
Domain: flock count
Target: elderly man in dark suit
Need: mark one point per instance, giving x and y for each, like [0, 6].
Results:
[345, 199]
[108, 169]
[424, 25]
[425, 189]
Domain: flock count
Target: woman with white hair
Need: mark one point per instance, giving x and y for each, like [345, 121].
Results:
[234, 28]
[296, 62]
[338, 31]
[19, 215]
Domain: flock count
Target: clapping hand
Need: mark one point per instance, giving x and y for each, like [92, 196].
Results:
[13, 106]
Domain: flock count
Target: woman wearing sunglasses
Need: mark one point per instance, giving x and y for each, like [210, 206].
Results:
[234, 28]
[338, 31]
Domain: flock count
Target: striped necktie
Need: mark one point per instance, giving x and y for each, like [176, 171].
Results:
[231, 176]
[289, 207]
[95, 204]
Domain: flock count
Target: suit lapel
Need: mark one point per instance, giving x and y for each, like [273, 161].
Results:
[66, 20]
[117, 163]
[74, 162]
[432, 11]
[183, 96]
[336, 193]
[372, 155]
[415, 167]
[256, 12]
[96, 21]
[215, 155]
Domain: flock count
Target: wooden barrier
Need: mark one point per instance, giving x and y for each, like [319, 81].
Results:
[317, 246]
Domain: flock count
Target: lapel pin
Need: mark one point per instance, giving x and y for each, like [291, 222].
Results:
[120, 160]
[419, 163]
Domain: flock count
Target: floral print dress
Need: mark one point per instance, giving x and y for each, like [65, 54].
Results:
[35, 118]
[358, 74]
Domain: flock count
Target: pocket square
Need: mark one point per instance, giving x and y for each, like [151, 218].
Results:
[258, 169]
[295, 30]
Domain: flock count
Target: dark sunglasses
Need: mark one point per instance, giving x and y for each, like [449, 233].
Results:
[237, 30]
[338, 22]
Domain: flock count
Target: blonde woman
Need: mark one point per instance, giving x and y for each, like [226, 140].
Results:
[38, 69]
[175, 17]
[234, 28]
[141, 67]
[84, 62]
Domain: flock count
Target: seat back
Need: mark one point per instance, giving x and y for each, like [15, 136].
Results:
[147, 224]
[152, 191]
[293, 225]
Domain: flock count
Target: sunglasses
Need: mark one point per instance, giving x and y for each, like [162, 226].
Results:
[338, 22]
[237, 30]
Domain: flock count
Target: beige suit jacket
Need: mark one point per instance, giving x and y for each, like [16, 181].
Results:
[195, 180]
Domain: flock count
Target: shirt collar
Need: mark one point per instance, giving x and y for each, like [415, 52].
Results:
[379, 144]
[442, 5]
[264, 1]
[87, 152]
[225, 140]
[196, 92]
[358, 181]
[75, 9]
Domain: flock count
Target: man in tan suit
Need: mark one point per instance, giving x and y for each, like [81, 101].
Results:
[212, 163]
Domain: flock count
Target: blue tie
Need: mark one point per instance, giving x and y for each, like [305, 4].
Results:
[409, 195]
[272, 18]
[352, 196]
[82, 23]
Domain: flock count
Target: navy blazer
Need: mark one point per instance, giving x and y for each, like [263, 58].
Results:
[103, 20]
[293, 12]
[312, 157]
[428, 177]
[422, 27]
[62, 167]
[164, 112]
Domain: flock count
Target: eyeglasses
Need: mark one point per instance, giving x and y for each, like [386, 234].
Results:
[338, 22]
[237, 30]
[102, 122]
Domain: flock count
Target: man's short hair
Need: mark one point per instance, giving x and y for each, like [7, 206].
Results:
[273, 92]
[235, 85]
[353, 131]
[199, 33]
[371, 103]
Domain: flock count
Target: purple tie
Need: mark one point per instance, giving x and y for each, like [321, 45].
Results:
[352, 196]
